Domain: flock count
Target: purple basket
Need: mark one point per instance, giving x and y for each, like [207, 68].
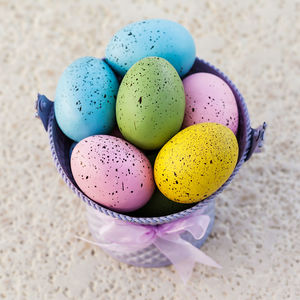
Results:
[250, 141]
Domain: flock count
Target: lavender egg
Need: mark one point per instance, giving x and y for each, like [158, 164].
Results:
[112, 172]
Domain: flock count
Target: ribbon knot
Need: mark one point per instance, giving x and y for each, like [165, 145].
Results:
[125, 237]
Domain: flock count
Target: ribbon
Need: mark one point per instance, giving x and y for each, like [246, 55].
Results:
[124, 237]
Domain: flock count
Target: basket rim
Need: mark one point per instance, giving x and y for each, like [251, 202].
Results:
[174, 216]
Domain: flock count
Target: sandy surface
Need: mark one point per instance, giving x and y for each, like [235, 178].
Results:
[256, 234]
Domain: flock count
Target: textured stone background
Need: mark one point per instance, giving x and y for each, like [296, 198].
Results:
[256, 234]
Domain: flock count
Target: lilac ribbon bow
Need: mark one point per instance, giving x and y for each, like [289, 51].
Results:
[125, 237]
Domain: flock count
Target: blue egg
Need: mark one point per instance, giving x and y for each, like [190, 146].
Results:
[85, 99]
[156, 37]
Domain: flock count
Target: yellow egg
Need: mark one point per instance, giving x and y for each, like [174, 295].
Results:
[196, 162]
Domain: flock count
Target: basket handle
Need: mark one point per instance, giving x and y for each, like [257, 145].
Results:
[257, 140]
[43, 108]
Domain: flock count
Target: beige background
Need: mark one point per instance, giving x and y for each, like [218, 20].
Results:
[256, 234]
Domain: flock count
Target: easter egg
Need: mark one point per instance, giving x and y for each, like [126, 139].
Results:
[112, 172]
[159, 205]
[209, 99]
[196, 162]
[156, 37]
[85, 99]
[150, 103]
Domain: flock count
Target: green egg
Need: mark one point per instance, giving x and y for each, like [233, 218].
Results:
[159, 205]
[150, 103]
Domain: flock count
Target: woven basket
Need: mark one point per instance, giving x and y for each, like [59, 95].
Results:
[250, 140]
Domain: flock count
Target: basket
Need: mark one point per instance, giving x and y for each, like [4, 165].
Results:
[249, 140]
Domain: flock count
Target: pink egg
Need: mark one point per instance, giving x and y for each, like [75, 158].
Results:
[209, 99]
[112, 172]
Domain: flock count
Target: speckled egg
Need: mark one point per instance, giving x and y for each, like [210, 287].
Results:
[156, 37]
[196, 162]
[112, 172]
[150, 103]
[209, 99]
[159, 205]
[85, 99]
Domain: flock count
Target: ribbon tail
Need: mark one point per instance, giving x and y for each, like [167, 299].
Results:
[204, 259]
[183, 255]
